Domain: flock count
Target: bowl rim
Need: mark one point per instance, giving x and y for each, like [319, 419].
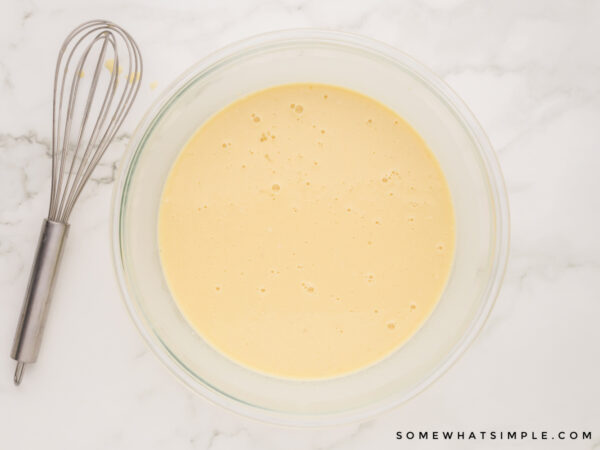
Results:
[491, 165]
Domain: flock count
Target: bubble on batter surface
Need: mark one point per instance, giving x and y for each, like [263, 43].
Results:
[308, 286]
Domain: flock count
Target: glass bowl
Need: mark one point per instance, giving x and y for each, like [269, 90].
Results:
[430, 106]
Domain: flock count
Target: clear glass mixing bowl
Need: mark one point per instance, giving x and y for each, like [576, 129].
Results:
[430, 106]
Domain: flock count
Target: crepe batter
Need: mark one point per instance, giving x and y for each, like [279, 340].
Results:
[306, 231]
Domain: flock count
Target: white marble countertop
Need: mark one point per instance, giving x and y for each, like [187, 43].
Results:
[529, 70]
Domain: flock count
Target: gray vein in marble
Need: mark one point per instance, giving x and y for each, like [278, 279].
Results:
[141, 353]
[360, 428]
[31, 138]
[6, 77]
[542, 265]
[219, 434]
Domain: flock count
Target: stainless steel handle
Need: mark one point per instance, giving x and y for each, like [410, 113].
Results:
[32, 320]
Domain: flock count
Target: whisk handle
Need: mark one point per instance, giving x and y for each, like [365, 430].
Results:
[34, 311]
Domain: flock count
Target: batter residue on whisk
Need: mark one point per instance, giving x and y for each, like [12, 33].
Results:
[306, 231]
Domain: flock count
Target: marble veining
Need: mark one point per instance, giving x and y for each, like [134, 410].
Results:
[528, 70]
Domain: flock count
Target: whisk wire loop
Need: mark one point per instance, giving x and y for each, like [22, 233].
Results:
[78, 146]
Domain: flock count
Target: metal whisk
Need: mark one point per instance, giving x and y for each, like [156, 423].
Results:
[87, 113]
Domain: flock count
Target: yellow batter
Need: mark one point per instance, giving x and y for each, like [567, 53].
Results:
[306, 231]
